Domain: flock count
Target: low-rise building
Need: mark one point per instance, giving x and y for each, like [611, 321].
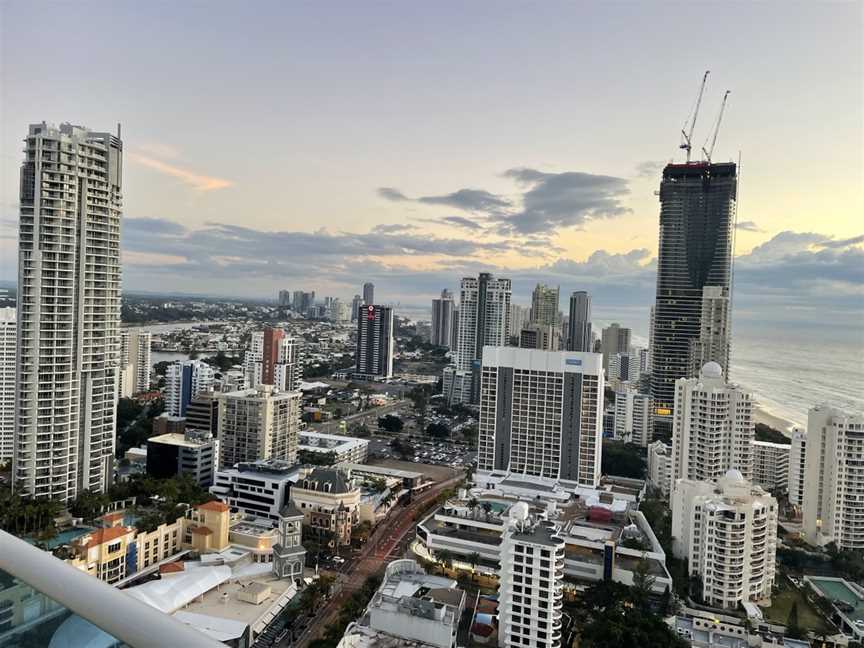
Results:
[258, 489]
[344, 449]
[771, 465]
[329, 500]
[605, 537]
[410, 608]
[704, 629]
[194, 453]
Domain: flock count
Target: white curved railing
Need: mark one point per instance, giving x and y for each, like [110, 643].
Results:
[123, 617]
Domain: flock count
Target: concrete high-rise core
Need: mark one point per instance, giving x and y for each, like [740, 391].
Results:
[697, 217]
[368, 293]
[579, 322]
[443, 311]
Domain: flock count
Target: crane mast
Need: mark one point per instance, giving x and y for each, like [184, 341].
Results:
[710, 151]
[686, 133]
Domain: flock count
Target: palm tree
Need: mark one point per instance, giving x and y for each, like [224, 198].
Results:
[445, 557]
[474, 559]
[487, 508]
[472, 504]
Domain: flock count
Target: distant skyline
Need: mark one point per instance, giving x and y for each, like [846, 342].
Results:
[316, 147]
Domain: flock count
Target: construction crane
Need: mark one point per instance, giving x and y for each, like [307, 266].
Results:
[686, 133]
[708, 152]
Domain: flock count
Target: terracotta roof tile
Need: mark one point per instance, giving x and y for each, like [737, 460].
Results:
[101, 536]
[215, 505]
[172, 568]
[202, 530]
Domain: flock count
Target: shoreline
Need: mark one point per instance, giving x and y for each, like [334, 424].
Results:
[761, 415]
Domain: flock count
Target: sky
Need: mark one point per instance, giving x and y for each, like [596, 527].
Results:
[301, 145]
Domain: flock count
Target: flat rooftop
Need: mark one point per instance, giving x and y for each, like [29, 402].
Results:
[383, 470]
[215, 602]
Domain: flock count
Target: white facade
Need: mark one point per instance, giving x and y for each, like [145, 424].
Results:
[834, 478]
[660, 466]
[531, 582]
[346, 449]
[183, 382]
[624, 367]
[527, 424]
[771, 465]
[68, 311]
[287, 367]
[258, 424]
[797, 471]
[632, 415]
[8, 335]
[135, 362]
[259, 488]
[727, 531]
[712, 428]
[484, 320]
[712, 345]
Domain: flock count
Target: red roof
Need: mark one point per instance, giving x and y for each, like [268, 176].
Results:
[101, 536]
[482, 630]
[215, 505]
[172, 568]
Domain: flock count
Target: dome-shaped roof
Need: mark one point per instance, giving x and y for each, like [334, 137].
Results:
[734, 475]
[712, 370]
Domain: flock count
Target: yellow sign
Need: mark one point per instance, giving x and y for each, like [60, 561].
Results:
[663, 411]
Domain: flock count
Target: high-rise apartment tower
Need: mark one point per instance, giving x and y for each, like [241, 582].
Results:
[68, 311]
[579, 322]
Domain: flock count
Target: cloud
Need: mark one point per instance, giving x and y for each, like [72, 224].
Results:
[389, 193]
[843, 243]
[195, 180]
[547, 202]
[393, 228]
[748, 226]
[569, 199]
[461, 221]
[649, 169]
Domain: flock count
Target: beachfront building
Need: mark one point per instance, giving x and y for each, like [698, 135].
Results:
[8, 345]
[771, 465]
[834, 477]
[727, 531]
[797, 470]
[540, 416]
[712, 429]
[530, 582]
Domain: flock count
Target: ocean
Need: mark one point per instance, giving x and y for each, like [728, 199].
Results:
[789, 366]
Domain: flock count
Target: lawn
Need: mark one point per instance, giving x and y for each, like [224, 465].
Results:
[808, 617]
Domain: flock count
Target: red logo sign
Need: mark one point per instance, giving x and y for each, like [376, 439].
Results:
[370, 315]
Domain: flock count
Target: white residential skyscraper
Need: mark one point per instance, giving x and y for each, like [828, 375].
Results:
[256, 424]
[273, 358]
[712, 428]
[443, 311]
[135, 367]
[727, 531]
[183, 382]
[797, 466]
[68, 311]
[484, 320]
[632, 415]
[834, 478]
[771, 465]
[540, 416]
[8, 334]
[531, 581]
[544, 305]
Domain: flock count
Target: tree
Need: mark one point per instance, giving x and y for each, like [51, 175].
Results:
[445, 557]
[792, 628]
[623, 459]
[487, 509]
[390, 423]
[438, 430]
[643, 582]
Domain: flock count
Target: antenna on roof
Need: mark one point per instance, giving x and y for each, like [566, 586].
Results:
[687, 134]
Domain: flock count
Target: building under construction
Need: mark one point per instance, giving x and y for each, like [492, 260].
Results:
[691, 323]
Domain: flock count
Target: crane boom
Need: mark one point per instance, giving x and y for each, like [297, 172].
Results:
[686, 133]
[709, 152]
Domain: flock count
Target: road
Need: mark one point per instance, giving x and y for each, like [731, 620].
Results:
[369, 417]
[377, 551]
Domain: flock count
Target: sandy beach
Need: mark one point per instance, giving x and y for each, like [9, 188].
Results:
[778, 423]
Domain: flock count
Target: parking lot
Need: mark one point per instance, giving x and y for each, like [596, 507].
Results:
[435, 473]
